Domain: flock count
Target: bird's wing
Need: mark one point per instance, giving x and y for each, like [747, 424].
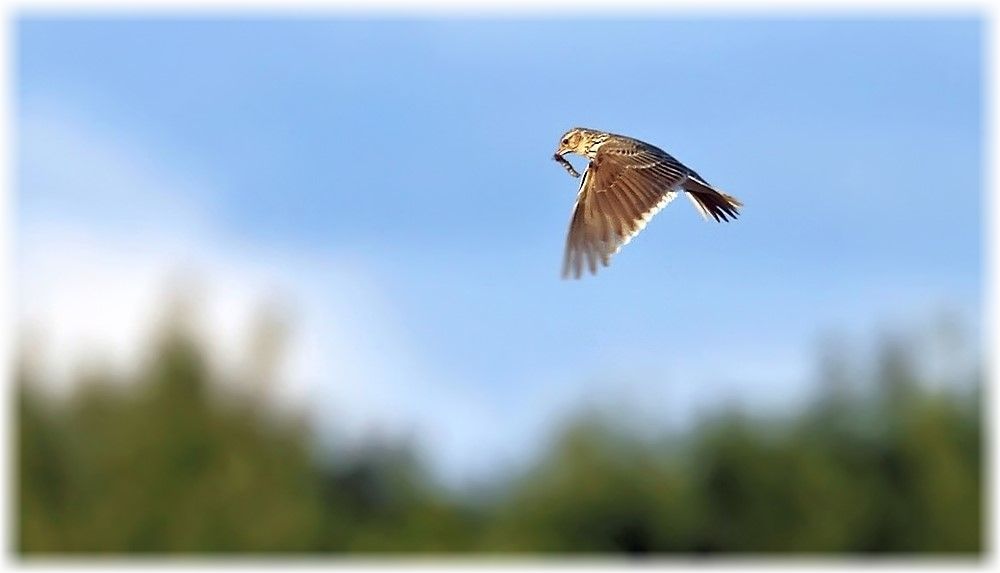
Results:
[625, 185]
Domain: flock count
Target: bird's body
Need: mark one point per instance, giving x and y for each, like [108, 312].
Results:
[626, 182]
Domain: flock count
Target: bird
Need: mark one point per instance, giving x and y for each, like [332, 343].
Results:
[626, 183]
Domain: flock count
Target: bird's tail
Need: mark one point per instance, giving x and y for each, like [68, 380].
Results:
[711, 202]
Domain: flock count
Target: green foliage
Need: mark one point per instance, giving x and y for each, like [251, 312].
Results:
[160, 465]
[169, 462]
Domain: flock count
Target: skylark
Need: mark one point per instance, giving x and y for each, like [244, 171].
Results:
[626, 183]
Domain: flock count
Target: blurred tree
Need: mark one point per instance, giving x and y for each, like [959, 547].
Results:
[167, 462]
[597, 491]
[43, 474]
[159, 465]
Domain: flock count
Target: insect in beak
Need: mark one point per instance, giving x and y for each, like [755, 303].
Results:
[566, 164]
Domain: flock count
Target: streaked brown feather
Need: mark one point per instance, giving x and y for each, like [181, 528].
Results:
[626, 183]
[618, 188]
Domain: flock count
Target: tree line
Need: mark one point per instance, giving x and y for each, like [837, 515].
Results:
[881, 461]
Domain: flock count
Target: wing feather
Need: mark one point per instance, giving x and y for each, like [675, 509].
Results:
[625, 185]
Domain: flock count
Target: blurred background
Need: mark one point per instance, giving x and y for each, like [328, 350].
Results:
[292, 285]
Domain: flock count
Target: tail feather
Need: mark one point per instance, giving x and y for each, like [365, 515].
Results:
[711, 202]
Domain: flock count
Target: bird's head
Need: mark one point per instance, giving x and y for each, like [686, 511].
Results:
[576, 140]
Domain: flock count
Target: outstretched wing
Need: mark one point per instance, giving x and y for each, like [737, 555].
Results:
[625, 185]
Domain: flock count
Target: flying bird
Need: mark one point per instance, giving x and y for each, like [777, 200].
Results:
[626, 182]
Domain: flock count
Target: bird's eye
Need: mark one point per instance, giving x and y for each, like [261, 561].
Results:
[565, 140]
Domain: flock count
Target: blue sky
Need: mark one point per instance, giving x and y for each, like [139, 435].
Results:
[395, 177]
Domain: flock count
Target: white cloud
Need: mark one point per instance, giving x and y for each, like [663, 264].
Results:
[74, 169]
[93, 296]
[105, 234]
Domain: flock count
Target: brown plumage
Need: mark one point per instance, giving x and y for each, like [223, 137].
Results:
[626, 183]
